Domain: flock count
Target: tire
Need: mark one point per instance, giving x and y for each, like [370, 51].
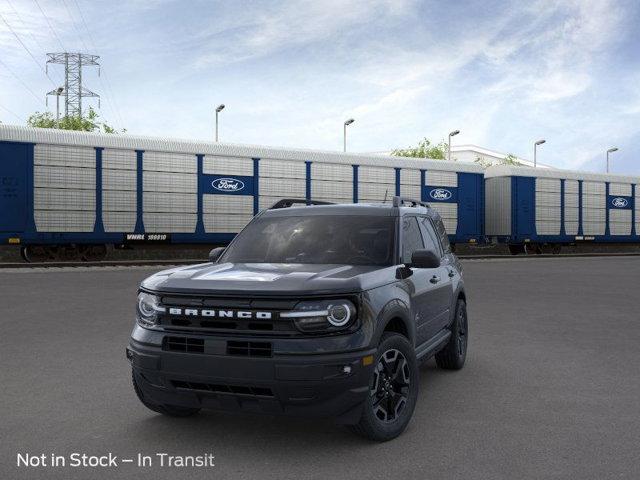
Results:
[454, 354]
[169, 410]
[390, 403]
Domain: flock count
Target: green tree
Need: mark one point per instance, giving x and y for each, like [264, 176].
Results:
[87, 123]
[510, 159]
[425, 149]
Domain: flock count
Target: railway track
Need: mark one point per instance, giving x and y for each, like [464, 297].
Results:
[161, 263]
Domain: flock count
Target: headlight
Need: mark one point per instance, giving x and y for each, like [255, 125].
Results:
[322, 316]
[148, 309]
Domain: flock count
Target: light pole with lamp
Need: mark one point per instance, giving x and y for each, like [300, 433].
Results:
[219, 108]
[611, 150]
[451, 134]
[344, 137]
[535, 152]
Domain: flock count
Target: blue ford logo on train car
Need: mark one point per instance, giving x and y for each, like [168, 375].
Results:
[619, 202]
[440, 194]
[228, 184]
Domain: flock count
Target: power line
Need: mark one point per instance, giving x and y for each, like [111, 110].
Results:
[21, 81]
[50, 26]
[75, 27]
[27, 49]
[106, 85]
[12, 113]
[24, 25]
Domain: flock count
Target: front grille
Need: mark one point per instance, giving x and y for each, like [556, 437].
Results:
[184, 344]
[219, 388]
[249, 349]
[228, 324]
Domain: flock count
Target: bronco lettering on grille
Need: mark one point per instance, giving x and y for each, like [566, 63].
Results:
[193, 312]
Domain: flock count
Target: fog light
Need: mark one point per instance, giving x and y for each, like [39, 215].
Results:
[346, 369]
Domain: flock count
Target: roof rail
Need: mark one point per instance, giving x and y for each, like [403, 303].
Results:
[409, 202]
[290, 202]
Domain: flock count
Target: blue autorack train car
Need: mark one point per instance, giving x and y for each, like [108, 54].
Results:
[539, 210]
[75, 193]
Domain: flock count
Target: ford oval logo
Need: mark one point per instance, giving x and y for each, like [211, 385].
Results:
[440, 194]
[228, 184]
[619, 202]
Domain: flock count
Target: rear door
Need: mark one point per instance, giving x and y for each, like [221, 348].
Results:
[442, 292]
[13, 186]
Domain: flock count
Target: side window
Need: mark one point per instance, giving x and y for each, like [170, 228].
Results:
[430, 237]
[411, 238]
[442, 234]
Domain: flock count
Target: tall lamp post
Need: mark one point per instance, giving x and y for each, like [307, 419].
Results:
[219, 108]
[344, 137]
[611, 150]
[452, 134]
[535, 152]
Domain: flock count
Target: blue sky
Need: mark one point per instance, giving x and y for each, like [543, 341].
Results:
[290, 73]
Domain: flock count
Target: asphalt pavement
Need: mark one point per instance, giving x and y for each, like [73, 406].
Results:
[551, 388]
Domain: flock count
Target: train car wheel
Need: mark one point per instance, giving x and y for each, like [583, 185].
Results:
[516, 249]
[34, 253]
[556, 249]
[532, 249]
[93, 253]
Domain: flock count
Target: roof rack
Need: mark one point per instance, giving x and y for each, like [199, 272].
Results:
[290, 202]
[409, 202]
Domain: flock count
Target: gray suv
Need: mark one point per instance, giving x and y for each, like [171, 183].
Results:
[313, 309]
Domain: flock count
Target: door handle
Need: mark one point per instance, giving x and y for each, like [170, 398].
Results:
[435, 279]
[452, 273]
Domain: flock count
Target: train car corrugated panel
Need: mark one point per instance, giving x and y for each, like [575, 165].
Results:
[170, 222]
[169, 162]
[623, 189]
[441, 179]
[226, 213]
[119, 195]
[620, 222]
[64, 188]
[331, 171]
[498, 206]
[548, 210]
[571, 207]
[410, 183]
[163, 202]
[271, 168]
[449, 214]
[216, 165]
[377, 175]
[331, 189]
[169, 182]
[283, 187]
[594, 208]
[375, 192]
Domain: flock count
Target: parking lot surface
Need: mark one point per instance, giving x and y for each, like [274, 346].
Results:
[550, 389]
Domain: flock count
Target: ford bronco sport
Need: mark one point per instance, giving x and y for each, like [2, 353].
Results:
[316, 309]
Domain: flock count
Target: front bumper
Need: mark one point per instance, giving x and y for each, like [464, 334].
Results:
[332, 385]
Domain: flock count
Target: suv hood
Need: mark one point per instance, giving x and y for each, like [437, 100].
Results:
[270, 279]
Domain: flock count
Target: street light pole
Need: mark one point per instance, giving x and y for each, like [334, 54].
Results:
[344, 137]
[59, 90]
[535, 152]
[219, 108]
[611, 150]
[451, 134]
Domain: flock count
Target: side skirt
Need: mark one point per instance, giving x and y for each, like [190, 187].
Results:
[431, 347]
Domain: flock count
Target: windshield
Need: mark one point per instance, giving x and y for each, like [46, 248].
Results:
[322, 239]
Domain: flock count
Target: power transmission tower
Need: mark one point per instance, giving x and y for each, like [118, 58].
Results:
[73, 91]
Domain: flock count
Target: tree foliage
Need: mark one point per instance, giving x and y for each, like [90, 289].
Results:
[425, 149]
[510, 159]
[87, 123]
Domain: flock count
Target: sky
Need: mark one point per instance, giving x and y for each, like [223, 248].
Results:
[290, 72]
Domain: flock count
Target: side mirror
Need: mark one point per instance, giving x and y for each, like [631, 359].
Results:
[425, 259]
[214, 254]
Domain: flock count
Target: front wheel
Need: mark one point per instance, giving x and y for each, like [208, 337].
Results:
[393, 390]
[453, 355]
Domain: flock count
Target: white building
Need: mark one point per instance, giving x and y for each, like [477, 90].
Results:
[471, 153]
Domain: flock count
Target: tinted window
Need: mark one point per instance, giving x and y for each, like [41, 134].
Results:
[411, 238]
[319, 239]
[431, 241]
[442, 234]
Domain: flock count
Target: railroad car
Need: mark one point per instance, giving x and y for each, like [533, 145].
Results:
[540, 210]
[71, 194]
